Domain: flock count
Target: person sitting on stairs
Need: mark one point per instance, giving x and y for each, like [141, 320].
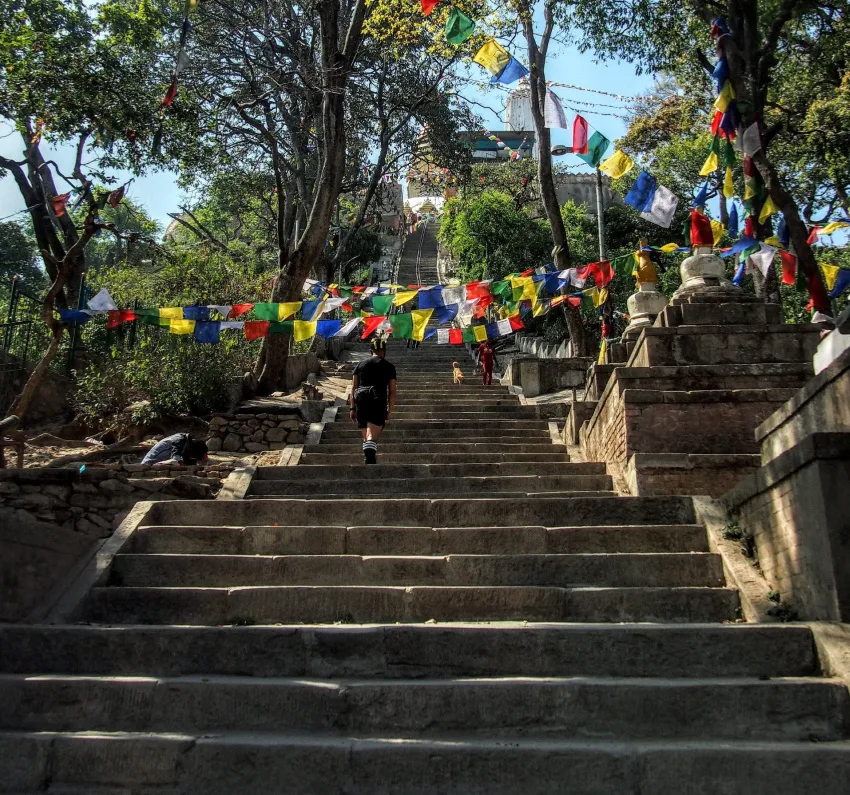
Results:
[373, 393]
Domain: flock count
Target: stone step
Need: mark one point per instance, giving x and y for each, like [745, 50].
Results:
[414, 651]
[586, 707]
[413, 401]
[469, 413]
[414, 447]
[343, 423]
[310, 763]
[413, 604]
[386, 485]
[438, 512]
[331, 473]
[353, 454]
[416, 540]
[393, 433]
[667, 570]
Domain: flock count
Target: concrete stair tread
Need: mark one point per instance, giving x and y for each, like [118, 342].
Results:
[378, 491]
[337, 471]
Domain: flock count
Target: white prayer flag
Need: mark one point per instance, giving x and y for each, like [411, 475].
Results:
[442, 336]
[454, 295]
[222, 309]
[750, 140]
[575, 279]
[102, 302]
[370, 291]
[553, 111]
[465, 311]
[348, 327]
[504, 327]
[663, 208]
[233, 324]
[763, 258]
[333, 303]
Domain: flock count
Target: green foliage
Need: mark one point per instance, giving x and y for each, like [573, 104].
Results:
[19, 257]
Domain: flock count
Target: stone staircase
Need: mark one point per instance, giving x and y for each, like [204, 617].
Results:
[475, 614]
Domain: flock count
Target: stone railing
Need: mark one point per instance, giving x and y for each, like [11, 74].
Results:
[537, 346]
[255, 433]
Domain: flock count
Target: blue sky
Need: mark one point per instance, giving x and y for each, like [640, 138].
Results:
[158, 192]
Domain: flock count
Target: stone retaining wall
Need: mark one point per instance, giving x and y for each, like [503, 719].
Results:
[254, 433]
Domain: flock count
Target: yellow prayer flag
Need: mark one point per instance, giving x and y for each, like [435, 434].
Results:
[710, 166]
[599, 296]
[749, 190]
[768, 209]
[492, 56]
[726, 93]
[728, 184]
[480, 333]
[287, 309]
[181, 326]
[832, 226]
[669, 248]
[830, 274]
[540, 308]
[404, 297]
[304, 330]
[717, 230]
[603, 351]
[773, 240]
[618, 164]
[420, 321]
[172, 312]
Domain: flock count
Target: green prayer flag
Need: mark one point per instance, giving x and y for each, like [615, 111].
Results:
[278, 327]
[625, 265]
[459, 27]
[156, 144]
[715, 144]
[729, 157]
[266, 311]
[402, 325]
[382, 303]
[596, 148]
[469, 334]
[502, 288]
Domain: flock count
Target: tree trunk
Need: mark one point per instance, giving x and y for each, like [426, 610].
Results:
[22, 402]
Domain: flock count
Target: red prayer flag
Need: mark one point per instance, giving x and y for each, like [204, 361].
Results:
[169, 95]
[254, 329]
[359, 288]
[813, 235]
[602, 272]
[347, 307]
[817, 294]
[749, 166]
[118, 316]
[477, 290]
[527, 273]
[455, 336]
[481, 306]
[371, 324]
[516, 323]
[239, 309]
[715, 123]
[580, 134]
[428, 6]
[58, 204]
[114, 198]
[574, 300]
[582, 271]
[789, 267]
[701, 234]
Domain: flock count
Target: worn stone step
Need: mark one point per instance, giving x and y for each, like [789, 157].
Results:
[391, 486]
[505, 445]
[352, 454]
[602, 570]
[438, 512]
[416, 540]
[625, 708]
[516, 426]
[377, 604]
[331, 473]
[393, 433]
[230, 762]
[414, 651]
[468, 413]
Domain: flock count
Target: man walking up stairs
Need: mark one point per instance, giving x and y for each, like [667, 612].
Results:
[475, 615]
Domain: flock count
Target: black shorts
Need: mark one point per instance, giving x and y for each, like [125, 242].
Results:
[370, 412]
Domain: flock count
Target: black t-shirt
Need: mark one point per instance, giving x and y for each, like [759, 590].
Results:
[377, 373]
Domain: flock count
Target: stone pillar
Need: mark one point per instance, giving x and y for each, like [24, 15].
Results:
[647, 302]
[704, 278]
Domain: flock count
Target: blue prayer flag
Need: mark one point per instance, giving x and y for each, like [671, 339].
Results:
[431, 298]
[512, 72]
[74, 316]
[642, 193]
[842, 282]
[206, 331]
[492, 329]
[308, 309]
[327, 328]
[444, 314]
[782, 232]
[740, 246]
[200, 313]
[702, 197]
[732, 226]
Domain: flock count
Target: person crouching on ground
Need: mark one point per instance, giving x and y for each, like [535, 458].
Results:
[180, 448]
[373, 393]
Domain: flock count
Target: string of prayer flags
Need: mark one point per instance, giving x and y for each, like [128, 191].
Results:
[459, 27]
[553, 111]
[662, 208]
[789, 267]
[580, 135]
[701, 234]
[842, 282]
[597, 145]
[642, 192]
[617, 165]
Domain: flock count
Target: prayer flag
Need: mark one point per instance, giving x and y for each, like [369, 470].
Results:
[702, 197]
[114, 198]
[459, 27]
[492, 330]
[623, 266]
[717, 230]
[751, 140]
[504, 327]
[728, 184]
[832, 226]
[201, 313]
[382, 303]
[733, 221]
[311, 310]
[404, 297]
[420, 318]
[240, 309]
[328, 328]
[348, 327]
[431, 298]
[767, 209]
[468, 334]
[511, 73]
[58, 203]
[516, 322]
[599, 296]
[428, 6]
[304, 330]
[642, 192]
[830, 273]
[662, 208]
[119, 316]
[813, 235]
[442, 336]
[74, 316]
[580, 136]
[789, 267]
[235, 324]
[596, 148]
[477, 290]
[285, 327]
[480, 333]
[617, 165]
[603, 351]
[744, 244]
[221, 309]
[727, 93]
[669, 248]
[602, 272]
[455, 336]
[711, 165]
[370, 326]
[842, 282]
[207, 332]
[444, 314]
[266, 311]
[731, 120]
[553, 111]
[171, 312]
[102, 302]
[817, 295]
[492, 56]
[763, 258]
[254, 329]
[181, 326]
[701, 234]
